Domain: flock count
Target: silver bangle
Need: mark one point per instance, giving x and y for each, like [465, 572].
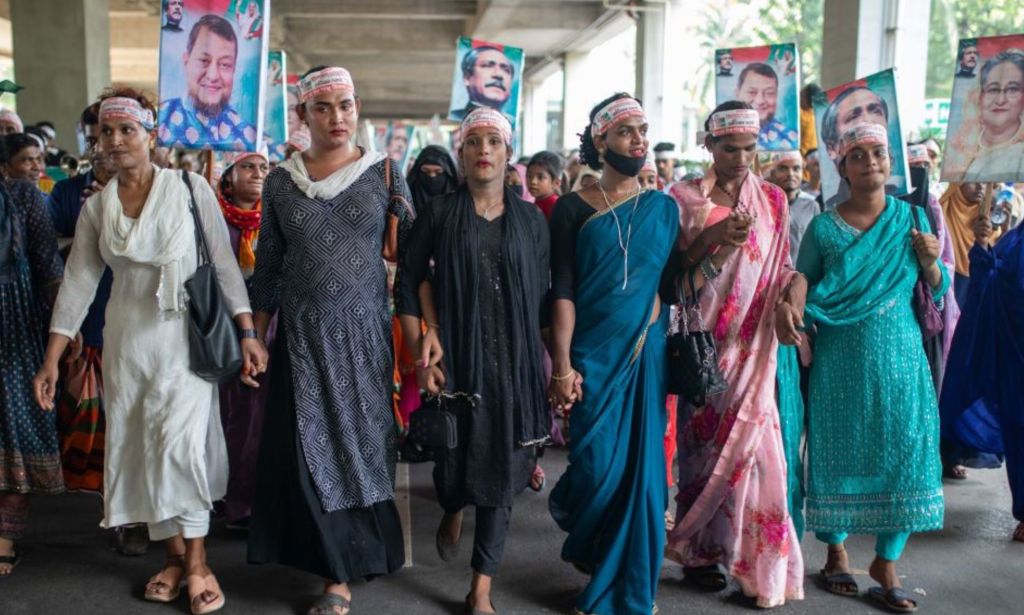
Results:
[708, 269]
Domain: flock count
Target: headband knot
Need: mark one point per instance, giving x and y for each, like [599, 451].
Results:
[325, 80]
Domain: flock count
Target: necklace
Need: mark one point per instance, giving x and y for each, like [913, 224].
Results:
[488, 209]
[623, 244]
[728, 193]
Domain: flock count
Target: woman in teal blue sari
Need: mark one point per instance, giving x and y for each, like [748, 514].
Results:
[873, 430]
[610, 243]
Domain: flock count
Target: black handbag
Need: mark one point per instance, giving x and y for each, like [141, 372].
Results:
[214, 353]
[693, 370]
[435, 424]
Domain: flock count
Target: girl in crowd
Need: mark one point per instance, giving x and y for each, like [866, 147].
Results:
[982, 402]
[610, 243]
[242, 407]
[21, 157]
[542, 180]
[873, 433]
[165, 460]
[732, 515]
[30, 270]
[483, 309]
[326, 477]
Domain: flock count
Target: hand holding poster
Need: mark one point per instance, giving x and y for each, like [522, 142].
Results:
[212, 52]
[486, 75]
[869, 100]
[767, 79]
[985, 136]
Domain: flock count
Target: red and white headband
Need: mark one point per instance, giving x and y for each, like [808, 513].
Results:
[232, 158]
[787, 156]
[735, 121]
[124, 108]
[325, 80]
[917, 154]
[300, 139]
[615, 112]
[12, 117]
[486, 117]
[862, 134]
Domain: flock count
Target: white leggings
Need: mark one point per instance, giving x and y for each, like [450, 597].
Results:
[189, 525]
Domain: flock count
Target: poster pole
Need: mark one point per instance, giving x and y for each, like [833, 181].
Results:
[986, 201]
[208, 166]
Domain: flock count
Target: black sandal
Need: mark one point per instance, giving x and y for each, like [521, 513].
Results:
[325, 604]
[835, 583]
[13, 559]
[891, 599]
[446, 550]
[710, 578]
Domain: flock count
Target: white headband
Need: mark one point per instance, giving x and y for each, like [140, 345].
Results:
[615, 112]
[124, 108]
[325, 80]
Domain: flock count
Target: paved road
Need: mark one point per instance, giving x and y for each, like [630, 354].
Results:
[70, 568]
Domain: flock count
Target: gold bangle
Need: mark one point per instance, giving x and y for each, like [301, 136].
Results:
[571, 373]
[431, 325]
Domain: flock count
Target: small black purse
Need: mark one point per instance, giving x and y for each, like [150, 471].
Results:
[214, 353]
[693, 370]
[435, 424]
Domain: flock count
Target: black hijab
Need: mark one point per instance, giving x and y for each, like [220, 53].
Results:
[456, 279]
[420, 184]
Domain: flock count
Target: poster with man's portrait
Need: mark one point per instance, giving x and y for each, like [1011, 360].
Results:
[213, 58]
[486, 75]
[768, 79]
[868, 100]
[985, 134]
[396, 140]
[275, 123]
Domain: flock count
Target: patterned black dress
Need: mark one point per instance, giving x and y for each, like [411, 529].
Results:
[324, 496]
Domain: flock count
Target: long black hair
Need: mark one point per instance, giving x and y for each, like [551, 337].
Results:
[588, 151]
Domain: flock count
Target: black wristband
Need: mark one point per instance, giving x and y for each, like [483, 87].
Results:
[247, 334]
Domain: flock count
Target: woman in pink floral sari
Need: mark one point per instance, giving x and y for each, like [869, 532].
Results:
[732, 515]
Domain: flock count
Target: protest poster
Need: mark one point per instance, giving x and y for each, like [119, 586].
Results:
[275, 123]
[767, 78]
[486, 75]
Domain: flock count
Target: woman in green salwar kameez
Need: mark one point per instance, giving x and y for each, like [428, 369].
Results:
[873, 430]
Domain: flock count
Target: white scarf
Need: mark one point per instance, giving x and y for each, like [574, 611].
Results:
[332, 185]
[160, 236]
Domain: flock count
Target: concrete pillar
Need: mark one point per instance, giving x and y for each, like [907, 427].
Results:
[659, 81]
[61, 58]
[534, 127]
[576, 99]
[866, 36]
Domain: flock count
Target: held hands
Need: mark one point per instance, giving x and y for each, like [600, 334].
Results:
[926, 246]
[789, 321]
[44, 386]
[564, 392]
[982, 231]
[429, 375]
[254, 361]
[731, 232]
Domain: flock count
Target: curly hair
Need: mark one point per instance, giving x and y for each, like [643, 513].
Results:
[588, 151]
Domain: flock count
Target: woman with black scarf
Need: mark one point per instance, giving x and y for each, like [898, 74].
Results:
[432, 175]
[482, 306]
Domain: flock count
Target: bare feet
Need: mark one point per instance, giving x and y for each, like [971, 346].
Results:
[329, 603]
[884, 571]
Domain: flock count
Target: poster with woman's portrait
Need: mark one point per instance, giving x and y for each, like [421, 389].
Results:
[868, 100]
[213, 57]
[486, 75]
[275, 124]
[985, 135]
[768, 79]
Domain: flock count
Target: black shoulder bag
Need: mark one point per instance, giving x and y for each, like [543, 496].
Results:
[214, 352]
[435, 424]
[693, 370]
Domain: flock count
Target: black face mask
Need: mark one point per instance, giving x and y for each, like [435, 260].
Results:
[435, 186]
[517, 188]
[626, 165]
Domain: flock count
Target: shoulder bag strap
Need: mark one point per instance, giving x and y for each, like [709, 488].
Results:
[202, 250]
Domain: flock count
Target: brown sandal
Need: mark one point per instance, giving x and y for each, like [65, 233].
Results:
[158, 590]
[209, 585]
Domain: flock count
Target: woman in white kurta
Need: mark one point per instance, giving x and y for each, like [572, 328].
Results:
[166, 460]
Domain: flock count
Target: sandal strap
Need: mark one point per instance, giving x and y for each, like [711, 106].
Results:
[897, 594]
[9, 559]
[327, 601]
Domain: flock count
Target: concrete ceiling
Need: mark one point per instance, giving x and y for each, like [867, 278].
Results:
[400, 52]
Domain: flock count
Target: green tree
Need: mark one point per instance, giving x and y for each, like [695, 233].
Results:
[952, 20]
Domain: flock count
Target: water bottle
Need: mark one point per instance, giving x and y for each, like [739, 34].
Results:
[1001, 207]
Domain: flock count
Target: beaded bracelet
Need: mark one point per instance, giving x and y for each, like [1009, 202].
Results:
[708, 269]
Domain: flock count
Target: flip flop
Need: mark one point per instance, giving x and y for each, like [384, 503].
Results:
[152, 595]
[446, 550]
[891, 599]
[834, 582]
[13, 559]
[325, 604]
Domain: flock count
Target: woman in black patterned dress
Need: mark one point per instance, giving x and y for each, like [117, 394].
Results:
[324, 497]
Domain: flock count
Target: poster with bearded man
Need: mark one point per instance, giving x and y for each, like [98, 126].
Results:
[871, 100]
[486, 75]
[213, 71]
[768, 79]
